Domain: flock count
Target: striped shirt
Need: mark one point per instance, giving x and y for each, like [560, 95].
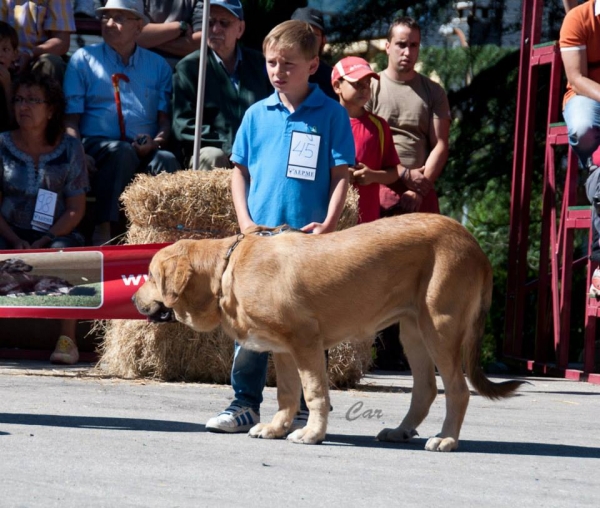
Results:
[35, 19]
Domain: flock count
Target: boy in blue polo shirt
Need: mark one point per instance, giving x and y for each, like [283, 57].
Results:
[291, 156]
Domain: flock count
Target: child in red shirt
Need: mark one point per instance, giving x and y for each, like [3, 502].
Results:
[376, 159]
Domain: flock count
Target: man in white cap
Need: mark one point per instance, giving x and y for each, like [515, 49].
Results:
[118, 102]
[236, 78]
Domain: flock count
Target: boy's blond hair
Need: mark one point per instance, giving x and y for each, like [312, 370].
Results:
[293, 34]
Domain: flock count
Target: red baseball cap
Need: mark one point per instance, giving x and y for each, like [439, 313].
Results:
[352, 68]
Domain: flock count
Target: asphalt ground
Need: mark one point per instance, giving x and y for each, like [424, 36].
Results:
[71, 438]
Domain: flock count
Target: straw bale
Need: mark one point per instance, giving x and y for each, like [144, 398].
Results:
[195, 204]
[174, 352]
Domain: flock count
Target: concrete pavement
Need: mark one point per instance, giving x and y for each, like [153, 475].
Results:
[70, 438]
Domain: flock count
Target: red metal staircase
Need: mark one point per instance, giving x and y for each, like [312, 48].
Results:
[560, 218]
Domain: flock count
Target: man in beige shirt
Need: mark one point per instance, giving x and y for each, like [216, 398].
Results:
[418, 112]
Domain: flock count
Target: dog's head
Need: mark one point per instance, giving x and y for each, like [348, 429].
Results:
[180, 287]
[14, 265]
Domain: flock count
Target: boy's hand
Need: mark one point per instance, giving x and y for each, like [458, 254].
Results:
[316, 228]
[363, 175]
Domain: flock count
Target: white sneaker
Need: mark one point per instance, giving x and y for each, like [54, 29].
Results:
[65, 352]
[233, 420]
[300, 420]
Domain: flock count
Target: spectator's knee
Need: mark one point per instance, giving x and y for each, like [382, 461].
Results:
[163, 162]
[212, 157]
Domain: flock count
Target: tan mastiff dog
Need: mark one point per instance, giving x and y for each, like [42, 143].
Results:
[297, 294]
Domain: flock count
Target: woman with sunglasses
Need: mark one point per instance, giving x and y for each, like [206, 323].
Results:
[41, 168]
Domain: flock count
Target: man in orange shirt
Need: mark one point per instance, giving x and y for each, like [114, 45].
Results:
[580, 51]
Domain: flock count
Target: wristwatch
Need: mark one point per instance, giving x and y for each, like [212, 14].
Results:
[183, 28]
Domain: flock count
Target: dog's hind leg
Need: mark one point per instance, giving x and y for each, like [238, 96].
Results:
[446, 353]
[424, 387]
[313, 373]
[288, 397]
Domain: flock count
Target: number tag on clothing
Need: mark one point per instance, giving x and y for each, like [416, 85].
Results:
[43, 216]
[304, 154]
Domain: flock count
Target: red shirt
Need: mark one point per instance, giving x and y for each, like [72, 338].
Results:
[374, 147]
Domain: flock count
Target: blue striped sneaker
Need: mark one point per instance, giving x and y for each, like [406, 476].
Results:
[234, 419]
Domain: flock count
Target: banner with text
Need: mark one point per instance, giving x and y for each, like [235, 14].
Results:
[81, 283]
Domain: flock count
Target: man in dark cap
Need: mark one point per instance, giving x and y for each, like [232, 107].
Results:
[323, 75]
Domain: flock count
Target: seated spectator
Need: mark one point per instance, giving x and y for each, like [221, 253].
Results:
[44, 29]
[322, 77]
[126, 127]
[235, 79]
[9, 52]
[174, 30]
[39, 155]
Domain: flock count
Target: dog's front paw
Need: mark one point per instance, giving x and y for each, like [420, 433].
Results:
[397, 435]
[267, 431]
[306, 436]
[441, 444]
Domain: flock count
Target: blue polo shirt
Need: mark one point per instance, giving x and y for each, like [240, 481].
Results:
[263, 144]
[89, 91]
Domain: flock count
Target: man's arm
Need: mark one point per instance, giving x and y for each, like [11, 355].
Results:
[167, 37]
[57, 44]
[439, 134]
[72, 125]
[575, 63]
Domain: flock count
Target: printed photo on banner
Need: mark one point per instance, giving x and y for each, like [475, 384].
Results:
[51, 279]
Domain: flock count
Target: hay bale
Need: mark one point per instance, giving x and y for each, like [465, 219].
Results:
[168, 351]
[195, 204]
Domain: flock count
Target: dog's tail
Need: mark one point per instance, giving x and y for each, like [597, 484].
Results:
[474, 342]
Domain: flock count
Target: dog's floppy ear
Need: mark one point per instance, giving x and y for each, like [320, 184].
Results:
[173, 275]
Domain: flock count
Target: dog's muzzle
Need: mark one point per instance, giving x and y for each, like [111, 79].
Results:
[162, 315]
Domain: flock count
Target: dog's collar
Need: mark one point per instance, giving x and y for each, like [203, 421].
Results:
[240, 237]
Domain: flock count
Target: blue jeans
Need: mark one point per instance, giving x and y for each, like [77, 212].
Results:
[116, 164]
[248, 376]
[582, 116]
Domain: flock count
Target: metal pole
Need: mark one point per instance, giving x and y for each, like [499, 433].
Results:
[201, 76]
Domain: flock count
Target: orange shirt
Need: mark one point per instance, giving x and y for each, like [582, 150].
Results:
[581, 31]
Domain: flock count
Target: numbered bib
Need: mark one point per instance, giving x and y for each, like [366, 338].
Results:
[304, 154]
[43, 216]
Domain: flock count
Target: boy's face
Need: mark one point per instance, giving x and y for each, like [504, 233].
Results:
[355, 93]
[289, 70]
[8, 54]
